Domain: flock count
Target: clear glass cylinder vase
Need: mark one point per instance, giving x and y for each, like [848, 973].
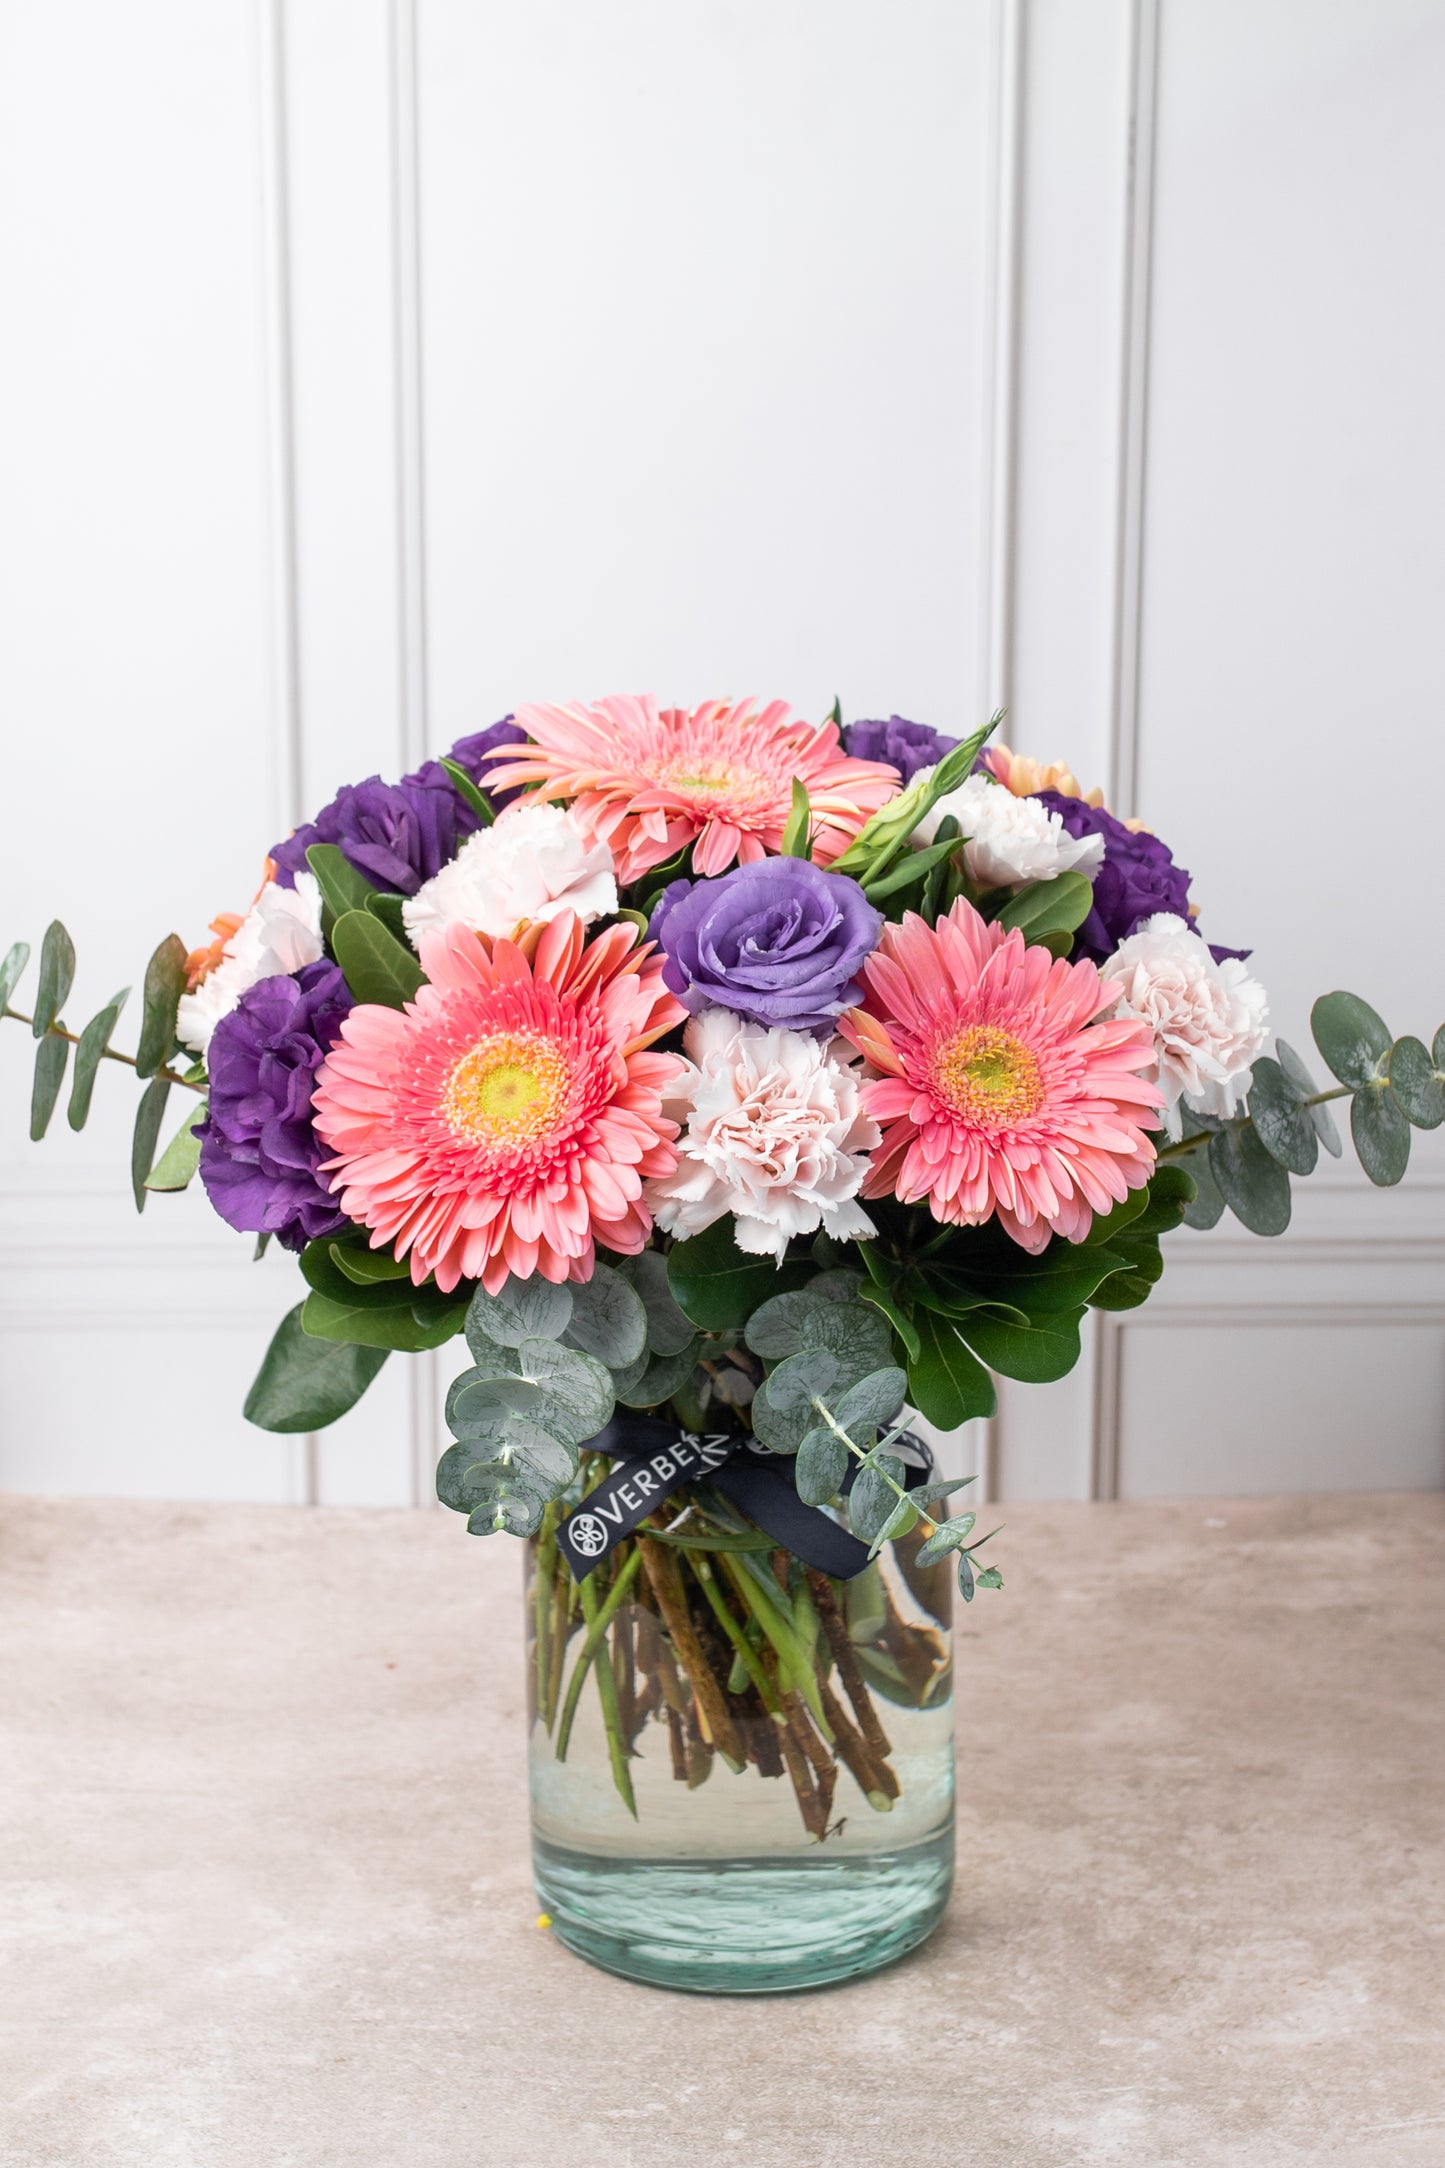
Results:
[741, 1769]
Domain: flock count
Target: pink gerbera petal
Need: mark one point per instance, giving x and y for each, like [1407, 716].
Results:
[649, 780]
[477, 1129]
[997, 1091]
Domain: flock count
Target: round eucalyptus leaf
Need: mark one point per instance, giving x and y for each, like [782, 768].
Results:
[1254, 1186]
[946, 1537]
[1283, 1125]
[1381, 1135]
[813, 1372]
[872, 1402]
[1437, 1048]
[1350, 1036]
[575, 1396]
[662, 1376]
[532, 1309]
[820, 1467]
[625, 1377]
[859, 1335]
[775, 1329]
[669, 1329]
[1413, 1081]
[608, 1319]
[1306, 1087]
[873, 1501]
[838, 1284]
[475, 1403]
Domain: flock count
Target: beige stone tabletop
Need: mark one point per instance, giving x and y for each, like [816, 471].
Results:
[266, 1897]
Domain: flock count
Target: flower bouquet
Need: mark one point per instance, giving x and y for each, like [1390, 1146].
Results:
[747, 1092]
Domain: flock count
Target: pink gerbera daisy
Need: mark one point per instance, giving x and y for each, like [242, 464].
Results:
[649, 780]
[506, 1119]
[999, 1091]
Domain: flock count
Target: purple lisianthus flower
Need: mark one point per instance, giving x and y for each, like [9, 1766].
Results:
[1137, 878]
[908, 746]
[260, 1154]
[778, 941]
[398, 835]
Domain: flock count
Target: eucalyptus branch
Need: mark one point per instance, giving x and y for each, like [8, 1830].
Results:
[859, 1453]
[107, 1053]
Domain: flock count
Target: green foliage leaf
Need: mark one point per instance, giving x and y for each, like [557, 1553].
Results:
[475, 797]
[559, 1388]
[797, 838]
[1252, 1184]
[946, 1383]
[476, 1403]
[966, 1577]
[775, 1329]
[533, 1309]
[364, 1266]
[989, 1578]
[144, 1137]
[608, 1319]
[783, 1410]
[662, 1376]
[882, 836]
[181, 1157]
[873, 1503]
[88, 1057]
[1350, 1036]
[1207, 1209]
[1056, 906]
[718, 1285]
[304, 1384]
[377, 967]
[1283, 1125]
[57, 975]
[1416, 1083]
[392, 1325]
[388, 909]
[861, 1337]
[669, 1329]
[342, 887]
[1306, 1088]
[1170, 1192]
[50, 1059]
[12, 970]
[915, 866]
[1380, 1134]
[878, 1298]
[468, 1474]
[1038, 1352]
[820, 1467]
[324, 1266]
[1126, 1290]
[865, 1407]
[165, 982]
[948, 1536]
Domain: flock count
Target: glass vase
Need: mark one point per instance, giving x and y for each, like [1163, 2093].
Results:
[741, 1769]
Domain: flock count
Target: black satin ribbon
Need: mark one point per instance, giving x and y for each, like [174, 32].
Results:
[652, 1459]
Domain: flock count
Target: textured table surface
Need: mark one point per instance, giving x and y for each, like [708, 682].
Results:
[266, 1892]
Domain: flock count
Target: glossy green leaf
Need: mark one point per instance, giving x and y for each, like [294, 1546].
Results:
[1126, 1290]
[1038, 1352]
[1170, 1192]
[323, 1271]
[342, 887]
[50, 1058]
[608, 1319]
[1106, 1225]
[11, 971]
[797, 836]
[57, 975]
[165, 982]
[915, 866]
[1415, 1083]
[1283, 1125]
[1056, 906]
[89, 1055]
[1253, 1185]
[146, 1135]
[392, 1326]
[946, 1383]
[377, 967]
[878, 1298]
[669, 1329]
[364, 1266]
[718, 1285]
[472, 792]
[1350, 1036]
[181, 1157]
[1306, 1087]
[388, 909]
[884, 834]
[304, 1384]
[1380, 1134]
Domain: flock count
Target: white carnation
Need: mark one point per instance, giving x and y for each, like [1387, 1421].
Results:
[1009, 840]
[280, 933]
[534, 862]
[1209, 1020]
[774, 1133]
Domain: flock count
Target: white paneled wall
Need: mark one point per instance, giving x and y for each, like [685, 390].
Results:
[373, 367]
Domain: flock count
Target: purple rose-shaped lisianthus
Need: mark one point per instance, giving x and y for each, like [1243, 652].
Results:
[1138, 876]
[778, 941]
[259, 1151]
[398, 835]
[908, 746]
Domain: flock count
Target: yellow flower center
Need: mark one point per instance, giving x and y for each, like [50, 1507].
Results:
[988, 1076]
[745, 789]
[507, 1089]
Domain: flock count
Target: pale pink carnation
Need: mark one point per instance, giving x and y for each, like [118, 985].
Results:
[775, 1134]
[1209, 1021]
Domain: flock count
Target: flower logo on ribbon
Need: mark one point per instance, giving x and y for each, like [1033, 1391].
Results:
[587, 1535]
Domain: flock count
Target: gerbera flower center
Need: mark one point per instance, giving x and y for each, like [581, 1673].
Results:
[693, 775]
[988, 1076]
[507, 1089]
